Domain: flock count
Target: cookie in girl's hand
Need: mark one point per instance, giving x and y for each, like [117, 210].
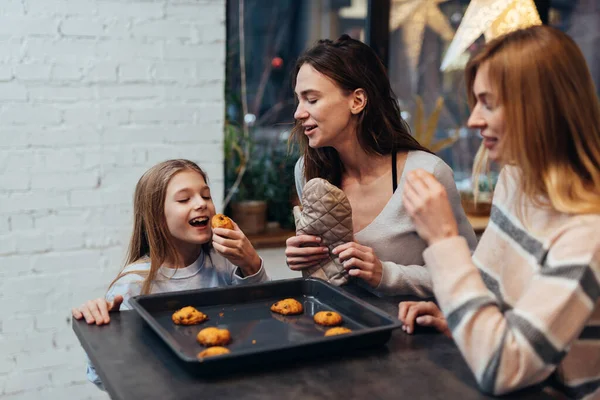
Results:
[221, 221]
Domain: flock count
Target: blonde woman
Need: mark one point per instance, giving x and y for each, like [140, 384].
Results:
[525, 308]
[173, 247]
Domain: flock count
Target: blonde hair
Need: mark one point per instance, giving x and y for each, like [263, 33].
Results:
[552, 116]
[150, 238]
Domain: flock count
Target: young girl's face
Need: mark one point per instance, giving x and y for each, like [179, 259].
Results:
[188, 210]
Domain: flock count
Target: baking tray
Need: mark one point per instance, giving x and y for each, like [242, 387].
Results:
[258, 335]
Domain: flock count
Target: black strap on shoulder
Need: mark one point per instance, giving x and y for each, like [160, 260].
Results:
[394, 172]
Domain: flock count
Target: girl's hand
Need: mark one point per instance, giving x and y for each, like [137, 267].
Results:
[304, 251]
[235, 246]
[426, 201]
[360, 261]
[423, 313]
[97, 310]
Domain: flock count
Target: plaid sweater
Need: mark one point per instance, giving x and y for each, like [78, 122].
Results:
[525, 308]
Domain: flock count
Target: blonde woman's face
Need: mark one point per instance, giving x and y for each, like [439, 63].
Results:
[488, 115]
[188, 210]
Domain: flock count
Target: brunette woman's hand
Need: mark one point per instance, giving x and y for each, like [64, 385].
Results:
[96, 311]
[426, 201]
[360, 261]
[304, 251]
[422, 313]
[235, 246]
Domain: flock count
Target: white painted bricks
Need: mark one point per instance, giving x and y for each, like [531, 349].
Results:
[92, 93]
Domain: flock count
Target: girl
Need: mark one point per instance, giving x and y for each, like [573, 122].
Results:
[349, 127]
[170, 248]
[526, 306]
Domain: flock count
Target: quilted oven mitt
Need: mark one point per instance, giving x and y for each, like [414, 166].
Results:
[326, 213]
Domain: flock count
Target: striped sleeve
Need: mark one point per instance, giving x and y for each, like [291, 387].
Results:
[512, 348]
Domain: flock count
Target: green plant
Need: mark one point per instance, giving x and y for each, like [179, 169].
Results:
[268, 176]
[253, 183]
[280, 188]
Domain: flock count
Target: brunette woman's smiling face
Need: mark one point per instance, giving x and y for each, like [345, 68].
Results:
[324, 109]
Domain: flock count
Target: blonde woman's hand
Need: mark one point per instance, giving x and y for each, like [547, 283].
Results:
[422, 313]
[235, 246]
[426, 201]
[360, 261]
[96, 311]
[304, 251]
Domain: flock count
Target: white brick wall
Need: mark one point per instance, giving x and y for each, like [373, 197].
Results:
[92, 93]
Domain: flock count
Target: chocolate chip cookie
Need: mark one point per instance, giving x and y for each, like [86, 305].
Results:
[338, 330]
[213, 337]
[288, 307]
[328, 318]
[213, 351]
[188, 316]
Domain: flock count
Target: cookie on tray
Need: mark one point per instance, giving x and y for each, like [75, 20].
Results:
[328, 318]
[338, 330]
[288, 307]
[213, 337]
[213, 351]
[188, 316]
[221, 221]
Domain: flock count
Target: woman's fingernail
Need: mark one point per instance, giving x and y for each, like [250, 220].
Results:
[318, 239]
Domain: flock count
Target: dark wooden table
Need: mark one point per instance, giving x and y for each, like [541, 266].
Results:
[134, 363]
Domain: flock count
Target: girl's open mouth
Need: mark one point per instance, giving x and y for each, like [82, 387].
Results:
[199, 222]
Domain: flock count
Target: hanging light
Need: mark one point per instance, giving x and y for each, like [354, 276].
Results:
[414, 16]
[492, 18]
